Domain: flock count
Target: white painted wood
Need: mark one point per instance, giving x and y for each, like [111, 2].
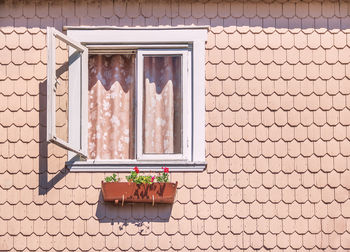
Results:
[84, 102]
[73, 145]
[126, 48]
[78, 107]
[198, 101]
[66, 145]
[111, 27]
[70, 42]
[188, 116]
[118, 38]
[186, 101]
[74, 102]
[128, 165]
[139, 103]
[138, 36]
[50, 85]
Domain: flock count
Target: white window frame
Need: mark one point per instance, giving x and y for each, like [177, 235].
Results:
[77, 84]
[112, 38]
[186, 97]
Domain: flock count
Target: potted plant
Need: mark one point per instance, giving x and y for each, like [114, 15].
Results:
[139, 188]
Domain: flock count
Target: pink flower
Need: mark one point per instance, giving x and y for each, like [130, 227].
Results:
[165, 169]
[153, 178]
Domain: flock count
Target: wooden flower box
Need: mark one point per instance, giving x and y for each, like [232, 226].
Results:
[129, 192]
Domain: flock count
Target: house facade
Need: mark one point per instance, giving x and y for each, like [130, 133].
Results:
[277, 130]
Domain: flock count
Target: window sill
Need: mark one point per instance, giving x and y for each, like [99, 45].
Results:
[127, 166]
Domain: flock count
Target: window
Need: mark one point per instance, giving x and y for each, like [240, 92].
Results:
[135, 97]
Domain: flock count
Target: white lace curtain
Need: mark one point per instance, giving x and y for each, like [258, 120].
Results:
[112, 108]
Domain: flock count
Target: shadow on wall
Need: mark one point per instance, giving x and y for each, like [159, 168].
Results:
[46, 183]
[260, 20]
[139, 215]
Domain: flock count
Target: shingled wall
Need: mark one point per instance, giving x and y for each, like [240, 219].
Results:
[277, 133]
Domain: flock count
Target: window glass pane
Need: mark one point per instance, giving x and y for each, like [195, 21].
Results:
[162, 105]
[111, 106]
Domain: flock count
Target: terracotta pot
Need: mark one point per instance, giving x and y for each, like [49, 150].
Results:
[128, 192]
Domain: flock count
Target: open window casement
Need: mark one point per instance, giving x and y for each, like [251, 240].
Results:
[76, 141]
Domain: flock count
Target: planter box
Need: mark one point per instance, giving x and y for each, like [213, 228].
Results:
[128, 192]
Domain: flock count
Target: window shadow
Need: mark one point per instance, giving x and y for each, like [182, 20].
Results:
[45, 184]
[108, 70]
[160, 70]
[140, 215]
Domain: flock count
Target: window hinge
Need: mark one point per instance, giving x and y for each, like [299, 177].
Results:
[82, 157]
[55, 86]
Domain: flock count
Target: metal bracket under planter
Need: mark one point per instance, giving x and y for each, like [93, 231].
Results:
[129, 192]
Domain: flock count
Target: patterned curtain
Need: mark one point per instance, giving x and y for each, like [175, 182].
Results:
[112, 111]
[111, 106]
[162, 105]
